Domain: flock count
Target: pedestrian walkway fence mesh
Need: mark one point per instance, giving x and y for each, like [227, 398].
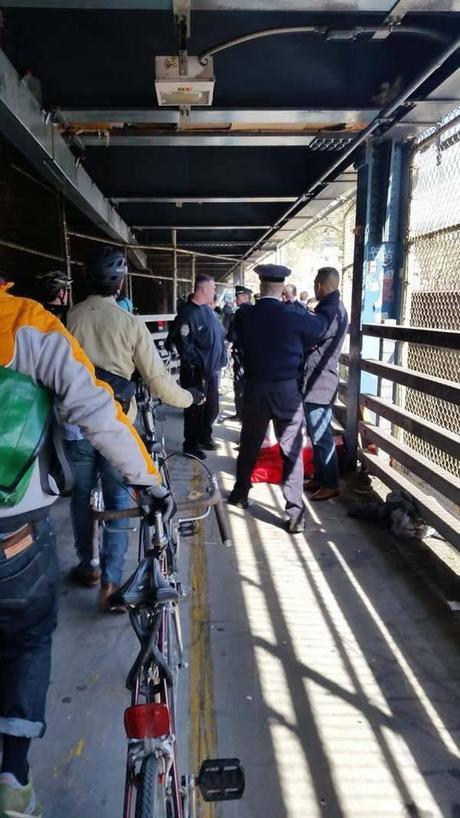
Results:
[432, 274]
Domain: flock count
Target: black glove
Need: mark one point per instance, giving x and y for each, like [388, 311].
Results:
[162, 501]
[197, 395]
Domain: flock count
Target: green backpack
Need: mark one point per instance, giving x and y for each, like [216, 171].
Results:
[24, 417]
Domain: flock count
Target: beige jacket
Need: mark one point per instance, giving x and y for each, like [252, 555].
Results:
[120, 342]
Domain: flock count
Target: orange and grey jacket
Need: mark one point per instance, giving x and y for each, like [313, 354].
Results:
[35, 343]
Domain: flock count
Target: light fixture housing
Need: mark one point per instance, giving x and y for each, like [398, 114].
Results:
[195, 86]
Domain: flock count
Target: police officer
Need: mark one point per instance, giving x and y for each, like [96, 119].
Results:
[199, 337]
[242, 300]
[272, 337]
[54, 291]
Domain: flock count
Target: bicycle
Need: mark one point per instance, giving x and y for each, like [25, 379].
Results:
[153, 786]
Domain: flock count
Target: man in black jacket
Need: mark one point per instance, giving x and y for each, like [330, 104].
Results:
[320, 386]
[243, 300]
[272, 337]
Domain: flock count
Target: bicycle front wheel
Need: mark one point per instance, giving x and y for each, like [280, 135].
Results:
[151, 796]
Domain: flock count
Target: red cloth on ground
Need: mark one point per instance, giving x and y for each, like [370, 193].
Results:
[269, 466]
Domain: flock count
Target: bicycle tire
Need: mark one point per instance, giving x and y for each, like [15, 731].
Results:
[151, 798]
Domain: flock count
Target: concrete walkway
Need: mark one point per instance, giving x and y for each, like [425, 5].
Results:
[317, 659]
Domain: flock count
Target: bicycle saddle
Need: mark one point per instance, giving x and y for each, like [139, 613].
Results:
[147, 586]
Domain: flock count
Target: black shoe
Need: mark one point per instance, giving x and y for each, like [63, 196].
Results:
[233, 417]
[194, 451]
[237, 500]
[208, 445]
[296, 526]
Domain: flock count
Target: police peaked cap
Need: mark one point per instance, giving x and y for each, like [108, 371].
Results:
[272, 272]
[240, 290]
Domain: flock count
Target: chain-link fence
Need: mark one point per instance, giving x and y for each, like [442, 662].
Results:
[432, 275]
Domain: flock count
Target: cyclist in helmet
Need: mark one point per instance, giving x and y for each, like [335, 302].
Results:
[53, 292]
[117, 343]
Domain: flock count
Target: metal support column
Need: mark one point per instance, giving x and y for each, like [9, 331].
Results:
[193, 271]
[384, 250]
[174, 291]
[66, 244]
[354, 370]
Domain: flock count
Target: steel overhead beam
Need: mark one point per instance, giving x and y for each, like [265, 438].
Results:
[219, 116]
[385, 115]
[234, 5]
[197, 140]
[191, 244]
[26, 126]
[154, 247]
[314, 5]
[199, 227]
[394, 16]
[201, 199]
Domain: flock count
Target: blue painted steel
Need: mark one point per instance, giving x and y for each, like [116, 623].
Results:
[384, 249]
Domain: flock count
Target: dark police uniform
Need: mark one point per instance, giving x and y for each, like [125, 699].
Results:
[238, 369]
[296, 305]
[273, 336]
[199, 337]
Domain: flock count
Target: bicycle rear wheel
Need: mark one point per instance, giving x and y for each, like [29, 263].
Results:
[151, 796]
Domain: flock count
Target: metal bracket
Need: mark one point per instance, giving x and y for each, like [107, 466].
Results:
[181, 10]
[394, 17]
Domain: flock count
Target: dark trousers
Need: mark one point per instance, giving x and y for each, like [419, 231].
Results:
[199, 420]
[28, 608]
[281, 403]
[319, 430]
[238, 388]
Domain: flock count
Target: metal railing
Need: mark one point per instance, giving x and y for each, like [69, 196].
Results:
[437, 481]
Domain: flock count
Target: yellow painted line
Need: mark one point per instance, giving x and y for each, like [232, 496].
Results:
[77, 750]
[203, 736]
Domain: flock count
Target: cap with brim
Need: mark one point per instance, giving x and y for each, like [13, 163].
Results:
[272, 272]
[240, 290]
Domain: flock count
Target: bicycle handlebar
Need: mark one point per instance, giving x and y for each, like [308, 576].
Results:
[210, 498]
[222, 523]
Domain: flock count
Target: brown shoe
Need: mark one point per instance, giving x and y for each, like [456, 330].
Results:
[105, 606]
[325, 494]
[87, 577]
[312, 485]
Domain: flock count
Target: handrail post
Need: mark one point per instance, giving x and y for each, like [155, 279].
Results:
[354, 370]
[174, 288]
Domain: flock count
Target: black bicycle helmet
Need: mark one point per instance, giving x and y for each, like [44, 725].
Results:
[107, 267]
[50, 284]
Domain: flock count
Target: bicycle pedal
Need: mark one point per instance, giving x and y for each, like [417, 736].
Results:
[221, 779]
[187, 529]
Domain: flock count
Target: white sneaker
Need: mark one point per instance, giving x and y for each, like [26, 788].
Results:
[16, 800]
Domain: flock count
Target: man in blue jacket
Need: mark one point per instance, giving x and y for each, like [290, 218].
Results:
[272, 337]
[320, 386]
[199, 337]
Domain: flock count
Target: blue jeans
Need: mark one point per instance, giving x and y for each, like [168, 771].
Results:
[319, 430]
[28, 609]
[88, 464]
